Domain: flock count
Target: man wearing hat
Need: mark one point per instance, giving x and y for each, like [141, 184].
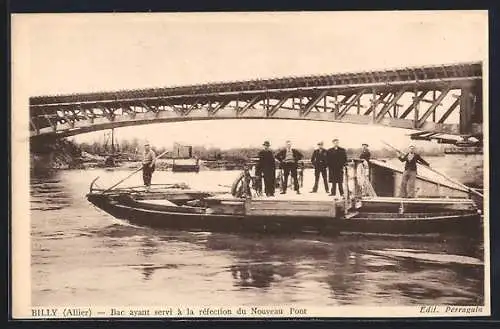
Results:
[410, 159]
[337, 159]
[148, 165]
[319, 161]
[365, 153]
[266, 168]
[289, 160]
[365, 166]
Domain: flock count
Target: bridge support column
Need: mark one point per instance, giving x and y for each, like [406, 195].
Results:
[466, 168]
[416, 114]
[336, 111]
[466, 109]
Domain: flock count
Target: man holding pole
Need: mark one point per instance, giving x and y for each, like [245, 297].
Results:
[410, 173]
[414, 159]
[148, 165]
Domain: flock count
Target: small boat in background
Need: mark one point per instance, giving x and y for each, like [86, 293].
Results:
[183, 165]
[111, 155]
[183, 160]
[370, 206]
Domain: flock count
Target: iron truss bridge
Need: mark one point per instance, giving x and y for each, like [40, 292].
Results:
[444, 99]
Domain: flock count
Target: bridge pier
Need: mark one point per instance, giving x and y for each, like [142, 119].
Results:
[466, 168]
[466, 110]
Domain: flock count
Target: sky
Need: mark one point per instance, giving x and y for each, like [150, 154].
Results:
[70, 53]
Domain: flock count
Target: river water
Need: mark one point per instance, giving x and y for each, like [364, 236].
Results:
[82, 256]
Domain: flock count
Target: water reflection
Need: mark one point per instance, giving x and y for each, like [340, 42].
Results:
[147, 249]
[48, 192]
[148, 270]
[352, 273]
[344, 274]
[348, 268]
[253, 275]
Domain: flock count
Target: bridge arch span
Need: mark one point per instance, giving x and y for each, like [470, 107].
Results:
[439, 99]
[82, 127]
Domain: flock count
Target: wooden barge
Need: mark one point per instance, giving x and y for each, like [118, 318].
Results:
[369, 207]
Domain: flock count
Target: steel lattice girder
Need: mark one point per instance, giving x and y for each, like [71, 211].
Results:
[79, 112]
[402, 75]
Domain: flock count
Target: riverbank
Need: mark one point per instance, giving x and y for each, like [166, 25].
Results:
[54, 154]
[60, 154]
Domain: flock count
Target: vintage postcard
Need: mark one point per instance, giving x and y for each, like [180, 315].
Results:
[250, 165]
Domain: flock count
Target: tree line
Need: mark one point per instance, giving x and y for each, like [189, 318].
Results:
[249, 152]
[134, 148]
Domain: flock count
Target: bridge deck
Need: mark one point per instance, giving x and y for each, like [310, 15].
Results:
[428, 74]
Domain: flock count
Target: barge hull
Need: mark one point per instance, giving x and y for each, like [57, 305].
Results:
[465, 224]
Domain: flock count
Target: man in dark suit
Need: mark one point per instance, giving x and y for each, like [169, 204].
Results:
[266, 167]
[319, 160]
[337, 159]
[289, 159]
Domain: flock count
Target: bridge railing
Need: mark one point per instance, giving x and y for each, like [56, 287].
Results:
[405, 74]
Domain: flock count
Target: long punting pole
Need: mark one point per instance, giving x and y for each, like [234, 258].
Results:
[443, 175]
[132, 174]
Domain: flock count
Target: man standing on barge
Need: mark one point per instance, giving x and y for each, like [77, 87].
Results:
[319, 160]
[337, 159]
[289, 159]
[365, 153]
[266, 168]
[148, 165]
[410, 173]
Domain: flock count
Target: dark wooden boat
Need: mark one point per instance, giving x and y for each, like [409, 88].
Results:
[186, 165]
[245, 210]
